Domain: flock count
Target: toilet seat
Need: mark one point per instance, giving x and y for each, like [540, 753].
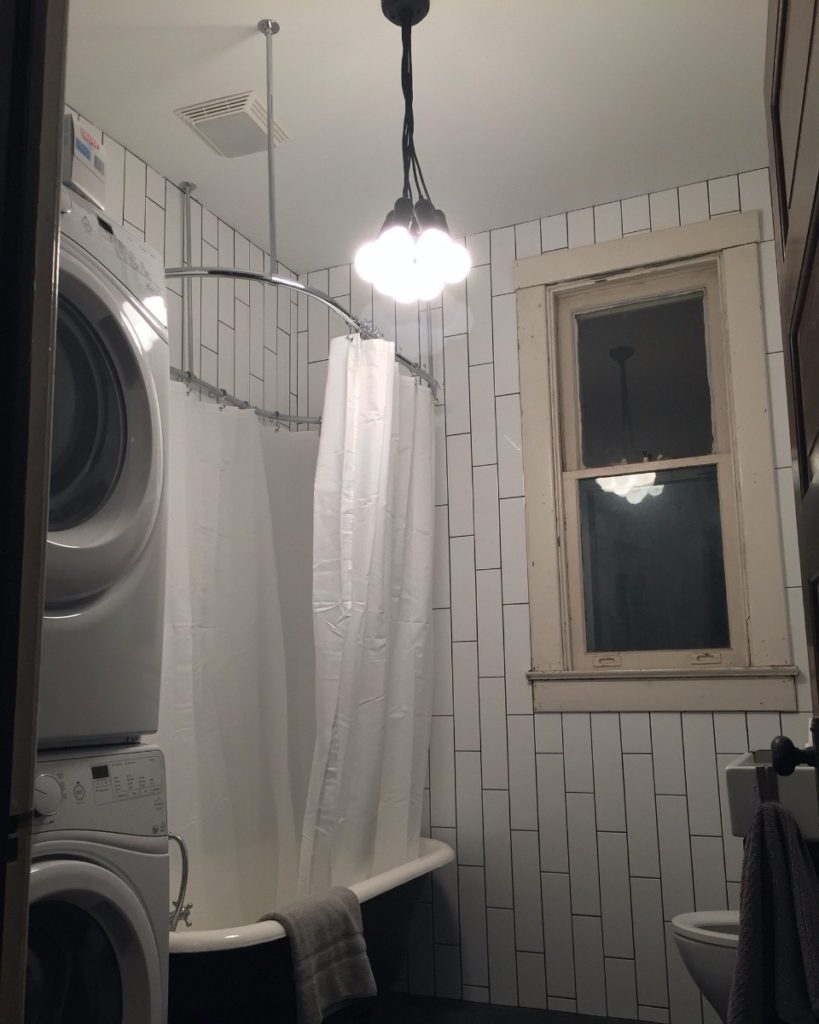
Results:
[710, 927]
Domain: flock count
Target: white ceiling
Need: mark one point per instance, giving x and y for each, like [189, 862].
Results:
[523, 107]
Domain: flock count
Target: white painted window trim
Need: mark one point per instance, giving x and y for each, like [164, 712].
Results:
[767, 681]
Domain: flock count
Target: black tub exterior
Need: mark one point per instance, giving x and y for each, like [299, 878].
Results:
[254, 984]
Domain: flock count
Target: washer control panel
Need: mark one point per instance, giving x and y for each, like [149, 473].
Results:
[120, 790]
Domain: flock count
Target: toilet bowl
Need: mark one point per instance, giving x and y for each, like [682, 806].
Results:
[707, 941]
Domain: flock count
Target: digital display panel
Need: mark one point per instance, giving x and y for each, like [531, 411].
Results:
[99, 771]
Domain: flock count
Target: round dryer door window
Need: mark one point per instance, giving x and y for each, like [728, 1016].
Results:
[89, 426]
[107, 448]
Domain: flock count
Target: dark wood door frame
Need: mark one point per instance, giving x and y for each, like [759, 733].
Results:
[32, 56]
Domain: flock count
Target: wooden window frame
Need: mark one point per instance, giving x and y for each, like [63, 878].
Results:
[758, 672]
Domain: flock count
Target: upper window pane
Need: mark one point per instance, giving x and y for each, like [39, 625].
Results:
[643, 380]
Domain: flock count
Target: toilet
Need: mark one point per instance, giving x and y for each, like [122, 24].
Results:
[707, 941]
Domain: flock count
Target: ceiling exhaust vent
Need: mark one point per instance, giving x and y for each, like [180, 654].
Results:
[232, 125]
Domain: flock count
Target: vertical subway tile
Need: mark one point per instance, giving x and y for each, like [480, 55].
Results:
[548, 733]
[242, 353]
[675, 855]
[226, 288]
[649, 941]
[701, 774]
[457, 386]
[532, 980]
[478, 248]
[694, 203]
[490, 622]
[361, 298]
[134, 196]
[241, 259]
[510, 447]
[581, 227]
[257, 325]
[115, 186]
[664, 209]
[517, 658]
[407, 330]
[621, 989]
[577, 751]
[442, 700]
[497, 848]
[440, 576]
[173, 230]
[551, 798]
[482, 406]
[465, 696]
[554, 233]
[154, 226]
[479, 315]
[527, 239]
[447, 972]
[225, 342]
[464, 615]
[635, 214]
[608, 222]
[459, 484]
[455, 317]
[445, 892]
[557, 927]
[608, 772]
[513, 548]
[470, 807]
[615, 894]
[522, 786]
[730, 732]
[503, 981]
[318, 326]
[641, 816]
[339, 280]
[762, 727]
[666, 738]
[505, 334]
[583, 869]
[709, 873]
[487, 522]
[589, 967]
[502, 244]
[442, 773]
[383, 314]
[494, 761]
[528, 904]
[653, 1013]
[562, 1005]
[474, 964]
[475, 994]
[635, 732]
[723, 195]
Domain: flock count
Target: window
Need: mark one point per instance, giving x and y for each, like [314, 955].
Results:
[647, 472]
[656, 578]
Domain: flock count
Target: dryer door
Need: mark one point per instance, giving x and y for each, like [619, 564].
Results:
[106, 451]
[92, 954]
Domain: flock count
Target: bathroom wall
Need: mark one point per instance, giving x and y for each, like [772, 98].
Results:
[242, 332]
[578, 836]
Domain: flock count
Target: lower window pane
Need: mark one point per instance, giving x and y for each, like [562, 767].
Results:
[653, 574]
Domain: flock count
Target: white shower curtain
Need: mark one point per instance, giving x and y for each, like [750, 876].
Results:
[372, 597]
[224, 705]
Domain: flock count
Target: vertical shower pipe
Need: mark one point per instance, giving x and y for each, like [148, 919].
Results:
[269, 28]
[187, 188]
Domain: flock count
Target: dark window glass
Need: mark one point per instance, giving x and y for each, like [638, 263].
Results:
[89, 431]
[72, 974]
[653, 575]
[643, 377]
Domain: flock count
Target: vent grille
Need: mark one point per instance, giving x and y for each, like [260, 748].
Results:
[232, 125]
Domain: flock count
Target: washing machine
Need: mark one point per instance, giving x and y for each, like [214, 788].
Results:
[105, 558]
[99, 903]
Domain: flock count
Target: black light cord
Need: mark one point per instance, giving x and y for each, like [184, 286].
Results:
[409, 156]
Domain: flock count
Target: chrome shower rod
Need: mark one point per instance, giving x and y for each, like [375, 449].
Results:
[225, 398]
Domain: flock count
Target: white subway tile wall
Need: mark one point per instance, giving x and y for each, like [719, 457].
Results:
[579, 836]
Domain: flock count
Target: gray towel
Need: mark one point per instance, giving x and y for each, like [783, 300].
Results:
[776, 978]
[330, 962]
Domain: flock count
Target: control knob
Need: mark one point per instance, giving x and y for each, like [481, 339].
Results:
[48, 795]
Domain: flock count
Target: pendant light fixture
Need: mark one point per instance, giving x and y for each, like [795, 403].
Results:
[414, 255]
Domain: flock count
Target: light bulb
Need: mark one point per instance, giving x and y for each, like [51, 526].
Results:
[396, 245]
[367, 260]
[430, 285]
[432, 251]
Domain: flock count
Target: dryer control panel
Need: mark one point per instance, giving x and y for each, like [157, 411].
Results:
[119, 790]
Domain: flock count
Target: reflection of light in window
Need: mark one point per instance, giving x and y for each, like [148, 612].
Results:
[633, 486]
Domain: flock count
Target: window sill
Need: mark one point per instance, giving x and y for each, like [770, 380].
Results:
[713, 689]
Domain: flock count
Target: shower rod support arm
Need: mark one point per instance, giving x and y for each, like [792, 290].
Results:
[269, 28]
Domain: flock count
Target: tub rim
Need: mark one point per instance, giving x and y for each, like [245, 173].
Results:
[432, 854]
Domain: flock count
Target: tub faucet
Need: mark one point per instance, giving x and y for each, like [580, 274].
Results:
[180, 910]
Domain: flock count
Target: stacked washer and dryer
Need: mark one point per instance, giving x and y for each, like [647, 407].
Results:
[98, 924]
